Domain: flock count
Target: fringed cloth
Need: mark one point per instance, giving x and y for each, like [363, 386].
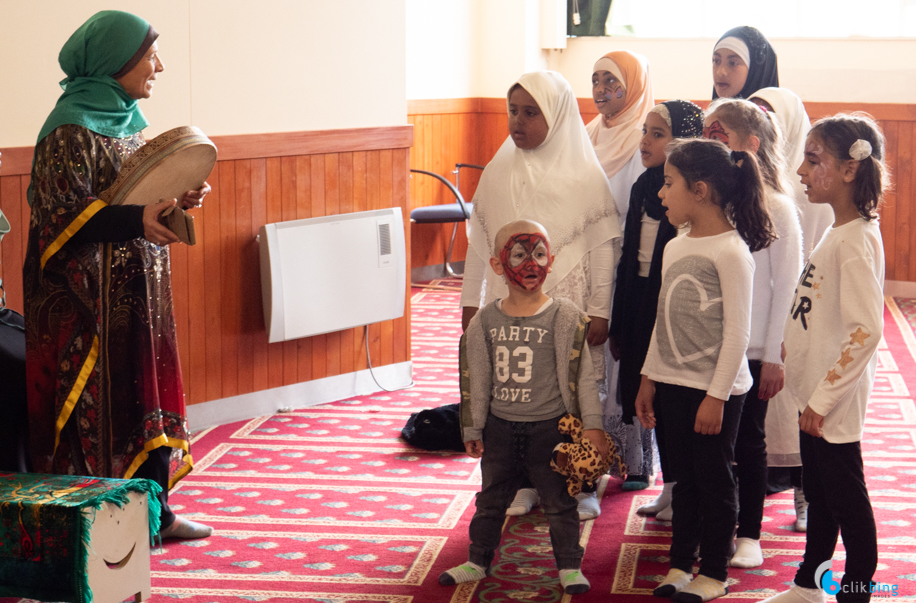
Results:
[45, 535]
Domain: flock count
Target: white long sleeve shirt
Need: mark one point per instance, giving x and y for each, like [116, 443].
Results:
[833, 330]
[775, 275]
[704, 315]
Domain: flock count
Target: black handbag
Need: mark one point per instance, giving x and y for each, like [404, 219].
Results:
[435, 429]
[14, 421]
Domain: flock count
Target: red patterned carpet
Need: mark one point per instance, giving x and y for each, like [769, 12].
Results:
[326, 504]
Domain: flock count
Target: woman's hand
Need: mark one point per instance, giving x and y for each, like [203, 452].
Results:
[474, 448]
[772, 380]
[597, 331]
[709, 416]
[811, 423]
[155, 231]
[194, 199]
[594, 436]
[645, 401]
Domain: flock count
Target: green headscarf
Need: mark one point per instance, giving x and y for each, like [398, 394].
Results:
[100, 49]
[92, 98]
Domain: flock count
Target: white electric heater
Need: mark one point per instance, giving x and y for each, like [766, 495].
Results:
[327, 274]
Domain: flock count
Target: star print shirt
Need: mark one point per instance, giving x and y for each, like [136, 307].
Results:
[703, 323]
[834, 327]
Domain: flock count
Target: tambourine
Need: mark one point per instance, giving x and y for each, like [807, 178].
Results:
[166, 167]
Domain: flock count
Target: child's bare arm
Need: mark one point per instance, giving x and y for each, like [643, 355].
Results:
[645, 401]
[595, 436]
[811, 423]
[709, 416]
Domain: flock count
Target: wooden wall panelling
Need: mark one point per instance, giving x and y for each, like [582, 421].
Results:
[249, 323]
[889, 211]
[255, 320]
[12, 199]
[259, 179]
[481, 127]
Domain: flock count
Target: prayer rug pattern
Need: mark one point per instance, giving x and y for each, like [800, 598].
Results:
[327, 505]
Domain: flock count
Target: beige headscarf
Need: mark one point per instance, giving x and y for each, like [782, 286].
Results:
[616, 142]
[559, 184]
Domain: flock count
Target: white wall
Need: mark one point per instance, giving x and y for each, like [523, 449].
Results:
[504, 44]
[470, 48]
[823, 70]
[232, 66]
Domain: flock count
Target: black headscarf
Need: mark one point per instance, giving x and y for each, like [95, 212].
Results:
[763, 71]
[632, 320]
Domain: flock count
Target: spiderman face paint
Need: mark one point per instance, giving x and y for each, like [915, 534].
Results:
[715, 130]
[525, 259]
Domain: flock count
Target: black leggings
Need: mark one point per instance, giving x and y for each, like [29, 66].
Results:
[156, 468]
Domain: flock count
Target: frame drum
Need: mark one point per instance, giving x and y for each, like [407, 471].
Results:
[166, 167]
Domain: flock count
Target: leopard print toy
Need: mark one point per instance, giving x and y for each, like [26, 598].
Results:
[580, 461]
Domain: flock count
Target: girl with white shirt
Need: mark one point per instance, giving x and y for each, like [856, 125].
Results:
[831, 343]
[696, 375]
[744, 126]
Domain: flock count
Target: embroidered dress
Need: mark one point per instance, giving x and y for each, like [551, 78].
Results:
[102, 366]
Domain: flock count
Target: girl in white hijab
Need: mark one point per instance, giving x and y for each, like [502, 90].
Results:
[560, 184]
[793, 121]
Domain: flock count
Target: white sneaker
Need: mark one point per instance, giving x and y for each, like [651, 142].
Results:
[588, 505]
[524, 501]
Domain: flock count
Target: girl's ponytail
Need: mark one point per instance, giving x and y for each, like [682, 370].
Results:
[733, 177]
[745, 207]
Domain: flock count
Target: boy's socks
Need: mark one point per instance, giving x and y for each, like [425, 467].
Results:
[588, 505]
[673, 582]
[747, 554]
[635, 482]
[524, 501]
[574, 582]
[466, 572]
[801, 511]
[797, 594]
[663, 500]
[701, 589]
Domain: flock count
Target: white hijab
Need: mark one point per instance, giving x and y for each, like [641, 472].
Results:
[559, 184]
[794, 123]
[793, 120]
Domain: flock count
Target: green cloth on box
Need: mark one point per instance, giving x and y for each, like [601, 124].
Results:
[44, 533]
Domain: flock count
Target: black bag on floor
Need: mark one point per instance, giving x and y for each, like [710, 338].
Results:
[14, 413]
[435, 429]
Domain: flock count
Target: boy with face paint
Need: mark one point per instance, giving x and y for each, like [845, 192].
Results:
[524, 365]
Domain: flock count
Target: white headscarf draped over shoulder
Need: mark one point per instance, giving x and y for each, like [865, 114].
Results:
[616, 142]
[559, 184]
[793, 120]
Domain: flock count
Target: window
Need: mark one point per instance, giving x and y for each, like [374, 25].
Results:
[775, 18]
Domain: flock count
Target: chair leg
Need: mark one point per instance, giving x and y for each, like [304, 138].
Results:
[448, 256]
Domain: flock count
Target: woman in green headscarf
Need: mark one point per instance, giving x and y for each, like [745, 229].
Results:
[104, 379]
